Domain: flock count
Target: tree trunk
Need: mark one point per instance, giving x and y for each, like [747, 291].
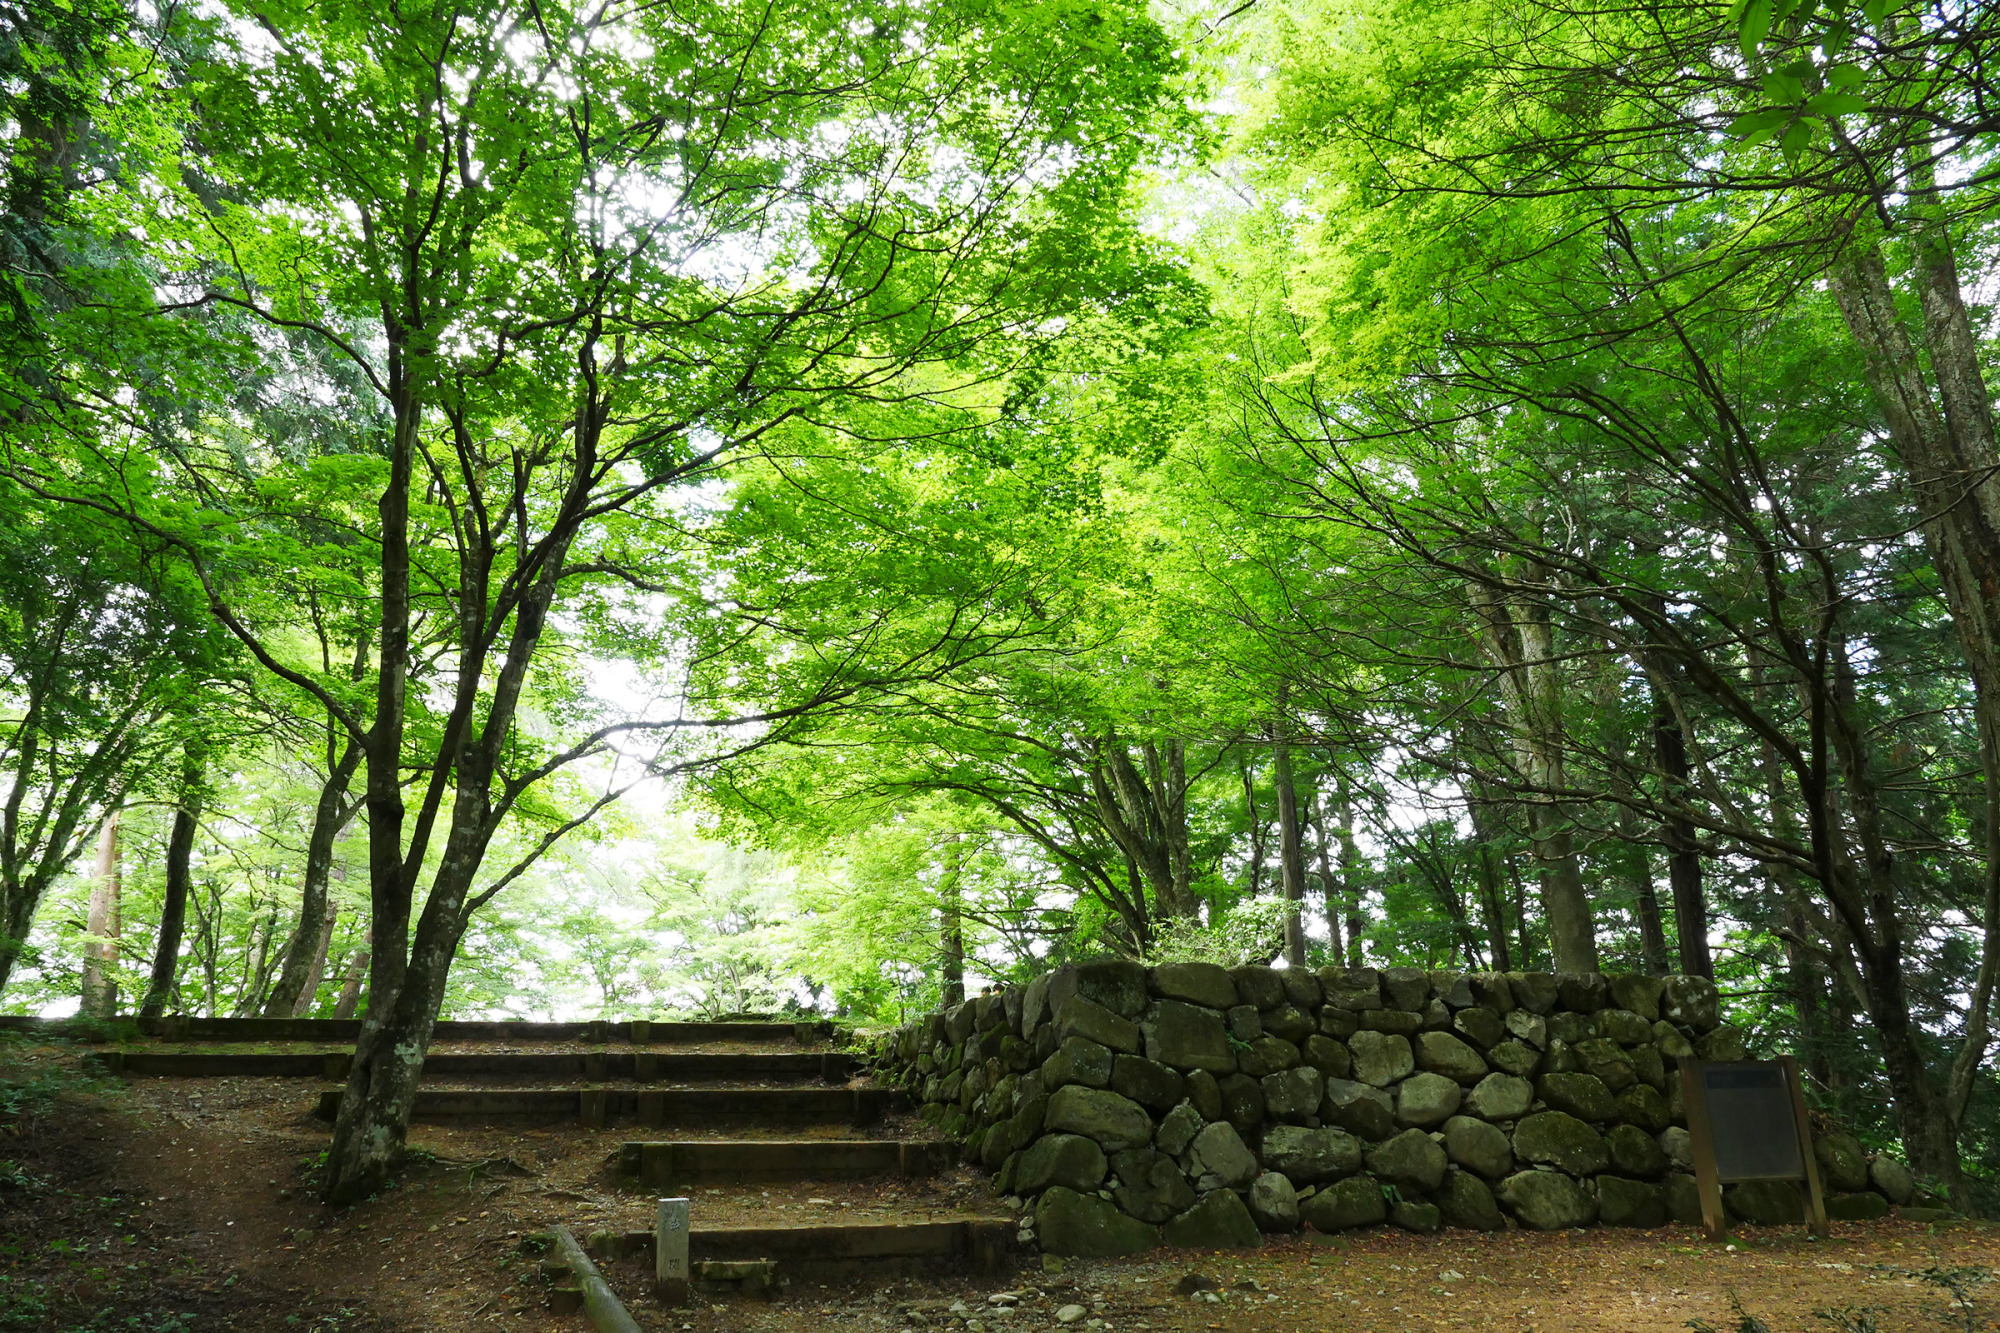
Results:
[309, 992]
[1492, 900]
[1684, 875]
[1291, 850]
[952, 942]
[173, 909]
[100, 950]
[1255, 819]
[1350, 867]
[350, 986]
[308, 940]
[1329, 884]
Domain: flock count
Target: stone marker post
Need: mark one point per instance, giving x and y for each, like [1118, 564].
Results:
[670, 1251]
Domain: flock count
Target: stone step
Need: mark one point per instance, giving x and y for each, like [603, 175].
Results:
[592, 1066]
[668, 1165]
[817, 1252]
[597, 1107]
[638, 1031]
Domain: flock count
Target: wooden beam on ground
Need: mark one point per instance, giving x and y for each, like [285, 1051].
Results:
[600, 1305]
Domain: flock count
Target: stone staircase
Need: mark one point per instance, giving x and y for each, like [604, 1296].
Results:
[769, 1105]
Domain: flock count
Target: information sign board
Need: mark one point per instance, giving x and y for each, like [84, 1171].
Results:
[1747, 1120]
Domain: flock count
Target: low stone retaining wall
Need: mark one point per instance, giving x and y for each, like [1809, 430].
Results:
[1197, 1105]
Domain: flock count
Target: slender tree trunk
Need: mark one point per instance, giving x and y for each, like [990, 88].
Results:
[1291, 849]
[1684, 875]
[330, 816]
[317, 972]
[100, 951]
[1492, 899]
[1350, 866]
[350, 986]
[951, 909]
[173, 909]
[1255, 819]
[1329, 883]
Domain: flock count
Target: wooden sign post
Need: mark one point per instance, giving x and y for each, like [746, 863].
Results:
[1747, 1120]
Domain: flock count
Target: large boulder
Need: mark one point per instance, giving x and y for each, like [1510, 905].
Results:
[1116, 983]
[1077, 1060]
[1405, 987]
[1683, 1197]
[1556, 1139]
[1465, 1201]
[1865, 1206]
[1079, 1017]
[1607, 1060]
[1267, 1055]
[1426, 1099]
[1531, 1028]
[1354, 1202]
[1068, 1160]
[1187, 1036]
[1243, 1102]
[1113, 1121]
[1636, 992]
[1328, 1056]
[1274, 1204]
[1290, 1022]
[1515, 1058]
[1415, 1215]
[1634, 1152]
[1480, 1026]
[1219, 1220]
[1204, 984]
[1843, 1163]
[1147, 1082]
[1217, 1159]
[1582, 992]
[1624, 1027]
[1243, 1022]
[1581, 1095]
[1769, 1203]
[1645, 1107]
[1177, 1129]
[1410, 1161]
[1547, 1201]
[1500, 1097]
[1259, 986]
[1292, 1095]
[1365, 1110]
[1535, 992]
[1442, 1053]
[1083, 1225]
[1206, 1093]
[1380, 1058]
[1351, 988]
[1678, 1145]
[1630, 1203]
[1892, 1179]
[1311, 1156]
[1690, 1002]
[1153, 1188]
[1400, 1022]
[1478, 1146]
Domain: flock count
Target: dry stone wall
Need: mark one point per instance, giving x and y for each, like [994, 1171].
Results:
[1195, 1105]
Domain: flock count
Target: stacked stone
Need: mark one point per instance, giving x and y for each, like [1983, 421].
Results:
[1202, 1106]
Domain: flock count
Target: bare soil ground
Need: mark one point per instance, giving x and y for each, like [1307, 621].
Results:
[177, 1205]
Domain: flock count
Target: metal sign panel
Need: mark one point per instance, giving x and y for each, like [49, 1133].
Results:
[1750, 1122]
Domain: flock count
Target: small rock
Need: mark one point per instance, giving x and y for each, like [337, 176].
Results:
[1193, 1283]
[1069, 1314]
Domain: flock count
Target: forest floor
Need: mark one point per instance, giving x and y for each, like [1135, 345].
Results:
[170, 1206]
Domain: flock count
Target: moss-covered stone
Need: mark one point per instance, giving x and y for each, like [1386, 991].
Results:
[1555, 1138]
[1178, 1128]
[1258, 986]
[1188, 1036]
[1152, 1189]
[1219, 1220]
[1242, 1102]
[1273, 1203]
[1289, 1022]
[1426, 1099]
[1478, 1146]
[1892, 1179]
[1218, 1159]
[1500, 1097]
[1645, 1108]
[1380, 1058]
[1637, 992]
[1636, 1153]
[1863, 1206]
[1410, 1160]
[1630, 1203]
[1516, 1058]
[1683, 1198]
[1547, 1201]
[1419, 1216]
[1328, 1056]
[1442, 1053]
[1766, 1202]
[1292, 1096]
[1080, 1061]
[1085, 1226]
[1480, 1026]
[1354, 1202]
[1311, 1156]
[1068, 1160]
[1148, 1082]
[1843, 1163]
[1267, 1055]
[1113, 1121]
[1690, 1002]
[1581, 1095]
[1204, 984]
[1359, 1108]
[1465, 1201]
